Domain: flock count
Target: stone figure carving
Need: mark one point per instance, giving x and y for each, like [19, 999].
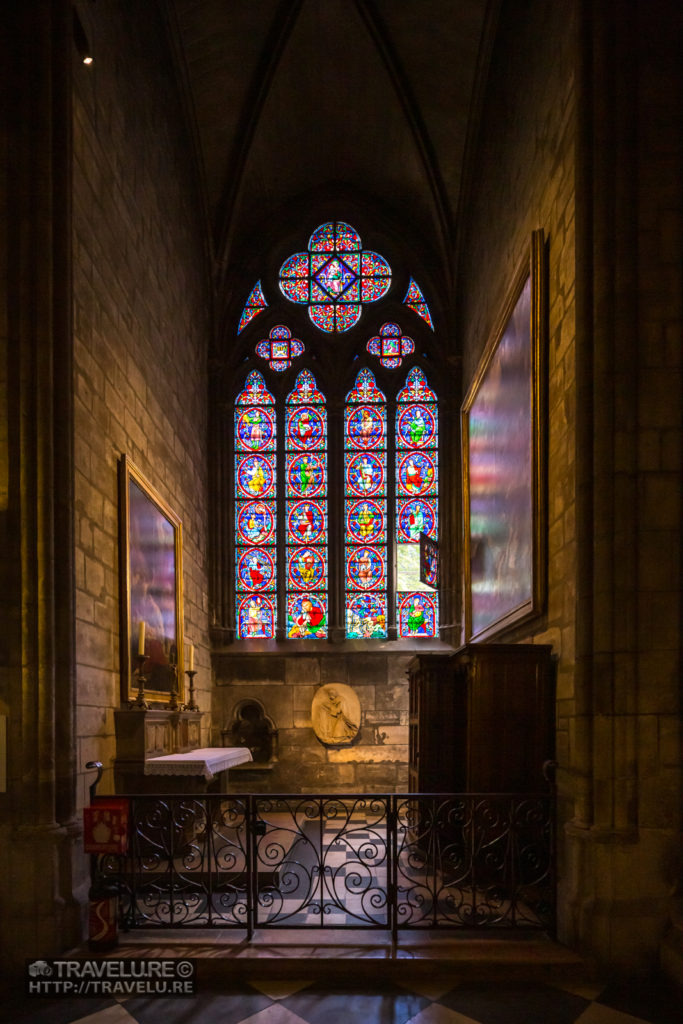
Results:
[336, 714]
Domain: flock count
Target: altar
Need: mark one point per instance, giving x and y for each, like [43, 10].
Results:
[157, 751]
[203, 763]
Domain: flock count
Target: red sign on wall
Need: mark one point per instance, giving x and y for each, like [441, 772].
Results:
[105, 826]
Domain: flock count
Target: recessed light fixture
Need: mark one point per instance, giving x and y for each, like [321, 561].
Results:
[81, 40]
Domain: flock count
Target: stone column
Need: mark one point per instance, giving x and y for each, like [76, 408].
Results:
[623, 836]
[38, 828]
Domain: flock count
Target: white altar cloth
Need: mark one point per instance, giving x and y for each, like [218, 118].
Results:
[206, 761]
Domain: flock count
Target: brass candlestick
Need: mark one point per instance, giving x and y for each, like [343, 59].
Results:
[173, 697]
[191, 704]
[140, 701]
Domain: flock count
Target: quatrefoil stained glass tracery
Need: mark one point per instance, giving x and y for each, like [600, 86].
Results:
[390, 346]
[279, 348]
[335, 277]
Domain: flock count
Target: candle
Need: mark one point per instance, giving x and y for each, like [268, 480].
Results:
[190, 658]
[141, 638]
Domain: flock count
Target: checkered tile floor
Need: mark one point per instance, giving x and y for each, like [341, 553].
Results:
[354, 867]
[340, 893]
[425, 1002]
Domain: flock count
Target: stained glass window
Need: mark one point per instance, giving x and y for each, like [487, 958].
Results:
[417, 480]
[335, 277]
[416, 301]
[255, 510]
[279, 348]
[365, 509]
[254, 305]
[306, 510]
[390, 345]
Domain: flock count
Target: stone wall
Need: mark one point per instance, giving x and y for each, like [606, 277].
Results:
[141, 328]
[376, 760]
[594, 161]
[523, 181]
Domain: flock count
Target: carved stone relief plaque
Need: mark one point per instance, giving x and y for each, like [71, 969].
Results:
[335, 713]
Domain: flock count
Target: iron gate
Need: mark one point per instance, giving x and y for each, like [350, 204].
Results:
[342, 861]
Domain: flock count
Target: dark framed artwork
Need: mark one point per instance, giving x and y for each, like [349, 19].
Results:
[151, 588]
[503, 426]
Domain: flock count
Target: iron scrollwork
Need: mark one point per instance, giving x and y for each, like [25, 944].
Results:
[410, 861]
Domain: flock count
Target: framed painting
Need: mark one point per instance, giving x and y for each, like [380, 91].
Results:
[503, 428]
[151, 588]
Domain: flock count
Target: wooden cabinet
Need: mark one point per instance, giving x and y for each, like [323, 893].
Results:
[481, 719]
[436, 726]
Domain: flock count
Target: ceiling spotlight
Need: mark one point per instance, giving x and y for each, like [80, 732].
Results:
[81, 40]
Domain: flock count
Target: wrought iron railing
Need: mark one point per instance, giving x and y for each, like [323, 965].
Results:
[391, 862]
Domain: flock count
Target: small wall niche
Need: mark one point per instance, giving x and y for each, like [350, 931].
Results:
[251, 727]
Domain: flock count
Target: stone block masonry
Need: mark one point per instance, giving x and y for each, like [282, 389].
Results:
[141, 333]
[375, 762]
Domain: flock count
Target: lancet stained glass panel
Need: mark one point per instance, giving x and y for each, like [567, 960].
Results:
[306, 510]
[365, 509]
[255, 431]
[417, 607]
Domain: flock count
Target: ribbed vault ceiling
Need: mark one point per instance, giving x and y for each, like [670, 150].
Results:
[296, 98]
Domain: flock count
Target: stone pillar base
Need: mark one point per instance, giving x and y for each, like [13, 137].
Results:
[43, 869]
[614, 900]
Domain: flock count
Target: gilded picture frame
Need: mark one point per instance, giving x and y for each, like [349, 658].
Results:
[503, 453]
[151, 588]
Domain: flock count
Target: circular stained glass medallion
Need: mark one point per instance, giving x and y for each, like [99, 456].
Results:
[306, 568]
[417, 474]
[364, 475]
[416, 427]
[364, 568]
[306, 522]
[415, 517]
[256, 570]
[305, 427]
[365, 427]
[255, 523]
[255, 429]
[255, 477]
[306, 476]
[366, 617]
[417, 615]
[366, 522]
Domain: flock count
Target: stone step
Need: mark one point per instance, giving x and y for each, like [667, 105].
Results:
[345, 953]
